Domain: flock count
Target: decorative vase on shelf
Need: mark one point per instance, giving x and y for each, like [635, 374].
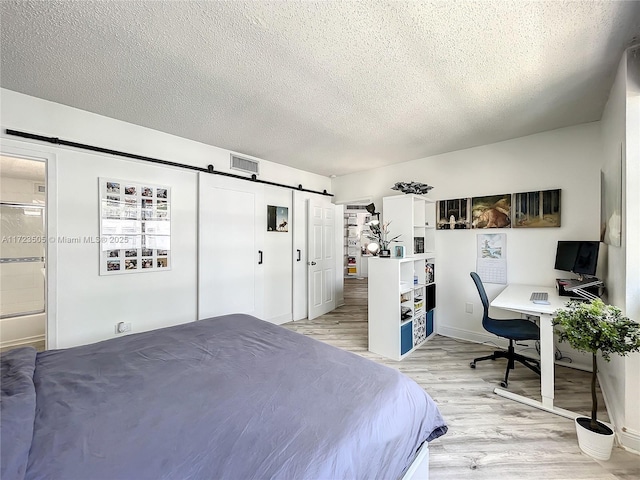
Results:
[385, 253]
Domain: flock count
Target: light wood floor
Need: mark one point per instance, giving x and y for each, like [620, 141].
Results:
[489, 436]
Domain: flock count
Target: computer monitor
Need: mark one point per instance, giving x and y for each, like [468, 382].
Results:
[579, 257]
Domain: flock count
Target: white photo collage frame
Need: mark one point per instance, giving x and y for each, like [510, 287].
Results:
[135, 227]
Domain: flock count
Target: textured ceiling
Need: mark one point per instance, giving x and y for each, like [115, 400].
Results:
[328, 87]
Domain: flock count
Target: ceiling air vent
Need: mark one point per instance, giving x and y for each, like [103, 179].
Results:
[360, 208]
[244, 164]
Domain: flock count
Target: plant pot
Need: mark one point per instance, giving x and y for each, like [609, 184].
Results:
[595, 444]
[385, 253]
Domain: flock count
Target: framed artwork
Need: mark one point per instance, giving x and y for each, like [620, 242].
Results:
[398, 251]
[453, 214]
[493, 211]
[135, 227]
[277, 219]
[539, 209]
[536, 209]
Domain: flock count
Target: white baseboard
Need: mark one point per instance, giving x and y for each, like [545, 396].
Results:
[280, 319]
[470, 336]
[629, 440]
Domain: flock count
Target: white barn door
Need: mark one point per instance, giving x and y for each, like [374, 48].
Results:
[277, 259]
[230, 247]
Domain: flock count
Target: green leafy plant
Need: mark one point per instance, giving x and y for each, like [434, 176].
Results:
[379, 234]
[595, 326]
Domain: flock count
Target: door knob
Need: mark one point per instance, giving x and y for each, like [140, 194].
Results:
[312, 263]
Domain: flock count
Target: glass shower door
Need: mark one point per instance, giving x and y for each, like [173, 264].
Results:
[22, 259]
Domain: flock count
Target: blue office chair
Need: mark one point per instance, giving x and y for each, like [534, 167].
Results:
[514, 330]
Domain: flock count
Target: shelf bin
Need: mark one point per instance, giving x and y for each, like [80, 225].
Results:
[406, 337]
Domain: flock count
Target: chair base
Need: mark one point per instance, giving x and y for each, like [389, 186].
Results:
[512, 357]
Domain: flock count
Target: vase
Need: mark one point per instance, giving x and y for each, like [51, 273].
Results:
[385, 253]
[595, 444]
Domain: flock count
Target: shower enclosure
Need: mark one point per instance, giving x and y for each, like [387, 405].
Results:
[22, 273]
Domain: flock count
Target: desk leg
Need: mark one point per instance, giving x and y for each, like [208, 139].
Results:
[547, 360]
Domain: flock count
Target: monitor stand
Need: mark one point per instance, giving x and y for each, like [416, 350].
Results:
[583, 288]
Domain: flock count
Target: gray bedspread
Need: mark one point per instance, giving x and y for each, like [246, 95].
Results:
[231, 397]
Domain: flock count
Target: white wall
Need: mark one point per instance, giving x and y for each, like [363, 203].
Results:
[621, 126]
[88, 305]
[21, 190]
[632, 239]
[568, 159]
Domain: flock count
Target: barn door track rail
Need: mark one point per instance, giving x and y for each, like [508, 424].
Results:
[209, 169]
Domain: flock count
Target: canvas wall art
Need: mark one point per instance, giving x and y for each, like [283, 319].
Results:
[492, 211]
[539, 209]
[453, 214]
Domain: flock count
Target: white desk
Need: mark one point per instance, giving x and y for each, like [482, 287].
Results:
[516, 298]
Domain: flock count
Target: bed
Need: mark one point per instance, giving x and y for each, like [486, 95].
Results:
[230, 397]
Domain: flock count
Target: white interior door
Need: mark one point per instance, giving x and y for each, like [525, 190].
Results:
[300, 251]
[321, 256]
[230, 247]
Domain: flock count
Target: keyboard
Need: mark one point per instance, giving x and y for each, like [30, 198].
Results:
[540, 297]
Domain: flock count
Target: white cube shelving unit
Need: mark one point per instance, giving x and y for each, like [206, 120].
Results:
[413, 217]
[402, 291]
[401, 304]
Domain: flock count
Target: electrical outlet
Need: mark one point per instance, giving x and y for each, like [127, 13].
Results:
[122, 327]
[468, 307]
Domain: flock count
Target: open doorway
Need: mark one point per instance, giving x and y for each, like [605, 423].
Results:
[22, 252]
[356, 256]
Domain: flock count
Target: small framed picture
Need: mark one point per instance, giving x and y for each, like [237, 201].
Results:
[398, 251]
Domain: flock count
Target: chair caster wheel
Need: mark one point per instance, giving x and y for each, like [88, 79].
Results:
[504, 384]
[472, 365]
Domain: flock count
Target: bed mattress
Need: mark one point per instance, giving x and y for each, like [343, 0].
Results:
[230, 397]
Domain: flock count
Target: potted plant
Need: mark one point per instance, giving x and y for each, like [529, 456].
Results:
[379, 233]
[591, 327]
